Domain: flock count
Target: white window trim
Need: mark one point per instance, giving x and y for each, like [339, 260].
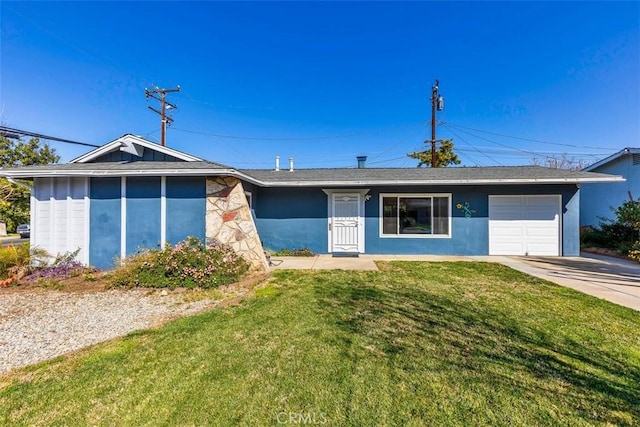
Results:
[413, 236]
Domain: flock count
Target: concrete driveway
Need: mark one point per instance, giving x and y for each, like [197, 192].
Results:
[613, 279]
[12, 240]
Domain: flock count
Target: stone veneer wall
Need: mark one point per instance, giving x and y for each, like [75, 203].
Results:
[229, 220]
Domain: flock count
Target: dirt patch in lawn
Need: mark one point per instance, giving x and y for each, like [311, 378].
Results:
[100, 283]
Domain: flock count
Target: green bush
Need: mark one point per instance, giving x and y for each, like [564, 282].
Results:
[610, 235]
[629, 213]
[620, 235]
[189, 264]
[294, 252]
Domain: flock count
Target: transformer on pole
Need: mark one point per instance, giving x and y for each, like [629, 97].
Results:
[161, 95]
[437, 104]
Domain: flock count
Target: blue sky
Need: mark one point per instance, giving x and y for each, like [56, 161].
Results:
[324, 82]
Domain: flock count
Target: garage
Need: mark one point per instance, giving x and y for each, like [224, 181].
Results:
[524, 225]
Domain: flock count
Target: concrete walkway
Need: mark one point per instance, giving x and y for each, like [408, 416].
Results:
[362, 262]
[613, 279]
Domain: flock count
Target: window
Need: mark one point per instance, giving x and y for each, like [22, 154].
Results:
[415, 215]
[249, 199]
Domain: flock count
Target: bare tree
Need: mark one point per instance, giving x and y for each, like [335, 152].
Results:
[560, 162]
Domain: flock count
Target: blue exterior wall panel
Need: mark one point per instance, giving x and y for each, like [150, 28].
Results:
[469, 236]
[186, 208]
[598, 201]
[105, 219]
[143, 213]
[571, 223]
[291, 218]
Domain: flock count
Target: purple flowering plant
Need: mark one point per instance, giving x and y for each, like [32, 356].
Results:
[62, 267]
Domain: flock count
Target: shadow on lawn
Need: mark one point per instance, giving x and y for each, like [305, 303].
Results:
[484, 341]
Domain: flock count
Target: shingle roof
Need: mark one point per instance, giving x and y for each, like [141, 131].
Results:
[451, 175]
[320, 177]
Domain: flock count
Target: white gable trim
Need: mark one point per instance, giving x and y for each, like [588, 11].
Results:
[624, 152]
[133, 145]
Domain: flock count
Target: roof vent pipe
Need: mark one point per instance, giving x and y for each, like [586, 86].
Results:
[362, 160]
[290, 164]
[277, 163]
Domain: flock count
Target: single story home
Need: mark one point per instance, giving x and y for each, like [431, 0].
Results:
[597, 201]
[132, 193]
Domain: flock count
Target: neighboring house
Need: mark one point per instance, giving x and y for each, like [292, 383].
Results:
[132, 193]
[597, 202]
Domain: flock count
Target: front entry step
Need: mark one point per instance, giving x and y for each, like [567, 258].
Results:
[345, 254]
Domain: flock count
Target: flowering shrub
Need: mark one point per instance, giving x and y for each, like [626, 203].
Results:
[56, 271]
[189, 264]
[63, 267]
[634, 252]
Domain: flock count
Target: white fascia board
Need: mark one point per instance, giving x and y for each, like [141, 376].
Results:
[132, 144]
[137, 172]
[248, 178]
[111, 146]
[623, 152]
[613, 178]
[136, 140]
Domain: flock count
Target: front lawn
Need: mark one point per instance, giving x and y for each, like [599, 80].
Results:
[415, 344]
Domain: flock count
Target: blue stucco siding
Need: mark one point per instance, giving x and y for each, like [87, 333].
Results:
[469, 236]
[105, 219]
[598, 201]
[571, 222]
[143, 213]
[186, 208]
[291, 218]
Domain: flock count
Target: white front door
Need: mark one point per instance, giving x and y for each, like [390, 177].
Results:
[345, 222]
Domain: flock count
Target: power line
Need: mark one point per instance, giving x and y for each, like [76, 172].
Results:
[532, 154]
[302, 138]
[517, 137]
[498, 143]
[9, 131]
[472, 146]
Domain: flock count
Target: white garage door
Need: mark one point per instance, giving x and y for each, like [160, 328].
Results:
[524, 225]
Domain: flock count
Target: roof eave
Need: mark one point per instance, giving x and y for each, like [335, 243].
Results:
[29, 174]
[343, 183]
[132, 172]
[130, 139]
[624, 152]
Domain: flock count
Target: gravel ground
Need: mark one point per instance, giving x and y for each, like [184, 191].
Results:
[36, 326]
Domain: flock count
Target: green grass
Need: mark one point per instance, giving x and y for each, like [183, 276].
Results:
[415, 344]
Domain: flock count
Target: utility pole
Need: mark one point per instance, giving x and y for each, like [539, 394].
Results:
[161, 95]
[437, 103]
